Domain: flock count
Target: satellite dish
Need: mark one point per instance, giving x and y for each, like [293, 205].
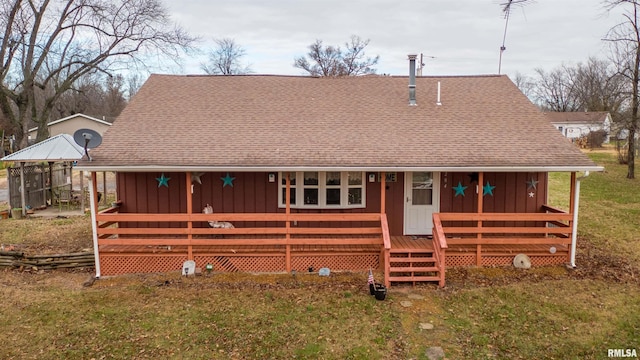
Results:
[522, 261]
[88, 139]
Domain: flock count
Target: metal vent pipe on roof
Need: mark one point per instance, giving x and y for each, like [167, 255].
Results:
[412, 79]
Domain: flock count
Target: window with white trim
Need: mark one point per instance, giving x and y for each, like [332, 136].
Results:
[320, 189]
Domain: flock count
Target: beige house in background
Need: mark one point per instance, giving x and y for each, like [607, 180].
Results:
[70, 124]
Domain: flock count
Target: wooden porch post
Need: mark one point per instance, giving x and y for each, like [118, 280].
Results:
[480, 211]
[94, 188]
[104, 187]
[383, 192]
[572, 209]
[189, 212]
[287, 211]
[572, 192]
[384, 254]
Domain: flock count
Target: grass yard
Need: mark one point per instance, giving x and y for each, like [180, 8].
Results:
[609, 206]
[490, 313]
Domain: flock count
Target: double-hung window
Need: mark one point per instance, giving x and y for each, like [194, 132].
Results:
[320, 189]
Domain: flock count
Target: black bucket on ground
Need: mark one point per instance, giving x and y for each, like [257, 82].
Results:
[381, 292]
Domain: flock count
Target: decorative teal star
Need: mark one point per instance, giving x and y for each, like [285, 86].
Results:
[227, 180]
[459, 189]
[487, 189]
[163, 180]
[532, 184]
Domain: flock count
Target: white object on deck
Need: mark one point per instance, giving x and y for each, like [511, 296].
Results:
[216, 224]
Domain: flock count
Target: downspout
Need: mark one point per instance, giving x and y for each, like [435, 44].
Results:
[94, 223]
[574, 230]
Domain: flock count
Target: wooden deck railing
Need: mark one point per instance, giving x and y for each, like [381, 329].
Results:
[386, 249]
[550, 228]
[439, 247]
[180, 229]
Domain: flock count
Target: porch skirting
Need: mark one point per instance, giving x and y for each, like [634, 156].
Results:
[500, 255]
[143, 259]
[116, 260]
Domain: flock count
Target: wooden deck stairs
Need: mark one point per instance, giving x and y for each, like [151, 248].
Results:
[413, 260]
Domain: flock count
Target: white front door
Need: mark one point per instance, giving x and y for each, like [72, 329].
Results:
[422, 199]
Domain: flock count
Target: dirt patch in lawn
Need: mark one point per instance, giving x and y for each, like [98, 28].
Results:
[592, 263]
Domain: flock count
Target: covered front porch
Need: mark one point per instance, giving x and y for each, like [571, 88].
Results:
[287, 241]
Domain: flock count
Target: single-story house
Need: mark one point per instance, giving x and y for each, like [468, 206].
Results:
[576, 124]
[406, 174]
[70, 124]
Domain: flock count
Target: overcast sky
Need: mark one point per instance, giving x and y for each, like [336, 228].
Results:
[463, 36]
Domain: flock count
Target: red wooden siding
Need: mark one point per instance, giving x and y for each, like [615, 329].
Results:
[510, 195]
[139, 192]
[253, 193]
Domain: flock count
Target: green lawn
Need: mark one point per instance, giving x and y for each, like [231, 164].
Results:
[609, 214]
[494, 313]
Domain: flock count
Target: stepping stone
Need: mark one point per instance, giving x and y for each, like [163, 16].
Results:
[416, 297]
[434, 353]
[426, 326]
[406, 304]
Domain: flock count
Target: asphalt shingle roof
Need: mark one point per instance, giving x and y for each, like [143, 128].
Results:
[288, 121]
[577, 117]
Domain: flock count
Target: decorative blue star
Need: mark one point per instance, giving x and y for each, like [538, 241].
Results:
[227, 180]
[532, 184]
[459, 189]
[163, 180]
[487, 189]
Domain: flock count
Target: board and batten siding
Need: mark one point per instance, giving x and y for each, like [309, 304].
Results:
[253, 193]
[510, 195]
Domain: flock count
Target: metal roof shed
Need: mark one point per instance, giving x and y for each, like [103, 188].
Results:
[59, 148]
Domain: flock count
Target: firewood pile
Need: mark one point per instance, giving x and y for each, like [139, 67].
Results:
[17, 259]
[582, 142]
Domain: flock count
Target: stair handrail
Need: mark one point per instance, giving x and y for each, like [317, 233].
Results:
[386, 240]
[439, 246]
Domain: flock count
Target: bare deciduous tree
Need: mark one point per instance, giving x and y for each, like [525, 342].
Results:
[46, 46]
[624, 39]
[524, 84]
[598, 86]
[226, 58]
[591, 86]
[134, 82]
[334, 61]
[97, 96]
[554, 90]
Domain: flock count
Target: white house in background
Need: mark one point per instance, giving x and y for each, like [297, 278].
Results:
[574, 125]
[70, 124]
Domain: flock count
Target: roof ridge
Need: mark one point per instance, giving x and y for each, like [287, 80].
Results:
[369, 76]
